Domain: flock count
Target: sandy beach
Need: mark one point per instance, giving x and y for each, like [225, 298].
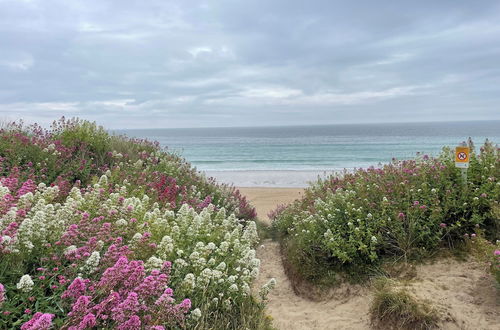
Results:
[348, 306]
[266, 199]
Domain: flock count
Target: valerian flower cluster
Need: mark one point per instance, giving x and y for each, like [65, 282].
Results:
[129, 239]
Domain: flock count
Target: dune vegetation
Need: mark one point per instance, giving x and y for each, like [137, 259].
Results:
[346, 227]
[103, 231]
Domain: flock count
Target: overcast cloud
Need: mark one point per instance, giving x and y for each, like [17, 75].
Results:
[132, 64]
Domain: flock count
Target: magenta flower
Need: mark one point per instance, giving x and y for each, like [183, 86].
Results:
[497, 252]
[40, 321]
[89, 321]
[134, 322]
[415, 203]
[401, 215]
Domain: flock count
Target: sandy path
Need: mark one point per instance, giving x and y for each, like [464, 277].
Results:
[463, 292]
[288, 310]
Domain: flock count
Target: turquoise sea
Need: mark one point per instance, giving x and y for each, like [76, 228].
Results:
[290, 156]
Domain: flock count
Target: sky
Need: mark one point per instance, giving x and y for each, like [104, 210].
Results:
[160, 63]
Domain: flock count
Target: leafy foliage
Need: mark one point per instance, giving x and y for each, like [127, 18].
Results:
[102, 231]
[406, 209]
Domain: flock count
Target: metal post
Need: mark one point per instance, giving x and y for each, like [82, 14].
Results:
[464, 175]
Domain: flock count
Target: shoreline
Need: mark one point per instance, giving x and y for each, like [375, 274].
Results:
[269, 179]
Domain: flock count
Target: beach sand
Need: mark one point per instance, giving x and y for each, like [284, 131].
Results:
[266, 199]
[463, 292]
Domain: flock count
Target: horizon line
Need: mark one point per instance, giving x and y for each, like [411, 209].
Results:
[312, 125]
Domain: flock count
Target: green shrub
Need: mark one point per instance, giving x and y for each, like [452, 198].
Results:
[347, 225]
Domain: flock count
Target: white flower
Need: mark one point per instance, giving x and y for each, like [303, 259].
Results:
[221, 266]
[153, 263]
[91, 263]
[121, 222]
[266, 288]
[179, 263]
[254, 273]
[233, 288]
[25, 284]
[189, 281]
[137, 237]
[69, 249]
[196, 314]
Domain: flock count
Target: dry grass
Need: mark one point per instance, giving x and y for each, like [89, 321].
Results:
[395, 308]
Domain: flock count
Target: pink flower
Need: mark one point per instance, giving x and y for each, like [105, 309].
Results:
[76, 288]
[484, 195]
[416, 203]
[40, 321]
[89, 321]
[442, 225]
[423, 207]
[497, 253]
[27, 311]
[134, 322]
[401, 215]
[129, 306]
[472, 235]
[80, 307]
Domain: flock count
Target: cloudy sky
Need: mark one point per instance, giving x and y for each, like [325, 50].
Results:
[158, 63]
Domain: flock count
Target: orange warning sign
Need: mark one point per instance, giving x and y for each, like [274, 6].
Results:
[462, 156]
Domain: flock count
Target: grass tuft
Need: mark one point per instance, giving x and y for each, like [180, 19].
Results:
[396, 308]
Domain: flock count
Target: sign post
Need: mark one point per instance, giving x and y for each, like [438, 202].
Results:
[462, 156]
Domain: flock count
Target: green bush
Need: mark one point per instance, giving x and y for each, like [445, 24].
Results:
[347, 225]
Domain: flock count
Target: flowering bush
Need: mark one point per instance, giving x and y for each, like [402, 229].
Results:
[346, 225]
[74, 152]
[124, 241]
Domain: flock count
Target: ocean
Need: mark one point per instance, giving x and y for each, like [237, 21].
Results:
[292, 156]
